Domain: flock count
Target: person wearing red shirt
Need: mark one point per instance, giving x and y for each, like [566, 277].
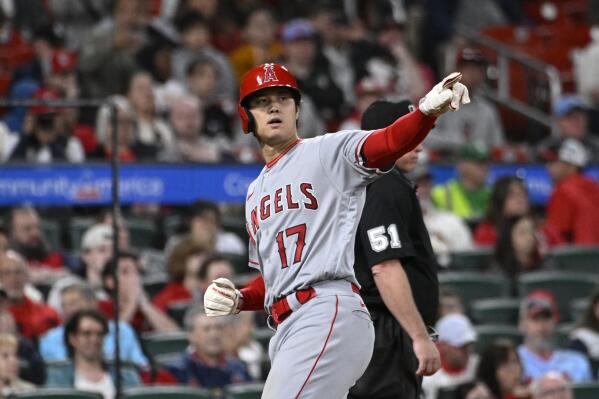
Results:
[32, 318]
[135, 307]
[182, 266]
[572, 207]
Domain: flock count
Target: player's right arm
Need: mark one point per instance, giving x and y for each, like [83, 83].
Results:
[394, 287]
[384, 146]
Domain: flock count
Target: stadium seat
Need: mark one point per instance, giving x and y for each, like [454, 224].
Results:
[496, 311]
[245, 391]
[448, 393]
[156, 344]
[77, 229]
[490, 332]
[472, 286]
[172, 226]
[471, 260]
[51, 231]
[562, 334]
[576, 258]
[164, 392]
[263, 336]
[142, 233]
[239, 262]
[55, 393]
[566, 286]
[153, 285]
[578, 307]
[177, 311]
[588, 390]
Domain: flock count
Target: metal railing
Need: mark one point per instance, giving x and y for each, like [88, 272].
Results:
[502, 93]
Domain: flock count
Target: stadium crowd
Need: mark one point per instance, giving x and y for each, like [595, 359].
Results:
[172, 69]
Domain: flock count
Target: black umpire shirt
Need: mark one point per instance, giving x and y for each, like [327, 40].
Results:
[392, 227]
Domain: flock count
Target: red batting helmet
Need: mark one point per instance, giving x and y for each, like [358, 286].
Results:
[258, 78]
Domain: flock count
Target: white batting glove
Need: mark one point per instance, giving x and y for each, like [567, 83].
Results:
[221, 298]
[447, 95]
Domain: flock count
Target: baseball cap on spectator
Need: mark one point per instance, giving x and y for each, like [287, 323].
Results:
[97, 235]
[471, 55]
[539, 303]
[63, 61]
[297, 29]
[45, 94]
[573, 152]
[456, 330]
[472, 152]
[567, 104]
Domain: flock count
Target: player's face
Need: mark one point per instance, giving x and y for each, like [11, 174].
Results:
[275, 113]
[408, 162]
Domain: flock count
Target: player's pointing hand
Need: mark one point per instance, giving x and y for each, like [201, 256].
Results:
[221, 298]
[447, 95]
[428, 356]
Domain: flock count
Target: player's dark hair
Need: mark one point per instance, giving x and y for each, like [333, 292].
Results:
[589, 318]
[72, 326]
[496, 354]
[499, 195]
[206, 264]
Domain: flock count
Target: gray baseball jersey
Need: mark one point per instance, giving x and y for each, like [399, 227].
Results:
[303, 210]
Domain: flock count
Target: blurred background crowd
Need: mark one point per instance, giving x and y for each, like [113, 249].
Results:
[519, 313]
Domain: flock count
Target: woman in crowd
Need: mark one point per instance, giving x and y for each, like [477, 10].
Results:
[9, 367]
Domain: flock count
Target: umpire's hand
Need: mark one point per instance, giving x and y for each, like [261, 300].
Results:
[427, 354]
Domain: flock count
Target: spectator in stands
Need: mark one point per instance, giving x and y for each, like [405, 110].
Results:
[96, 250]
[313, 76]
[62, 74]
[244, 346]
[195, 37]
[518, 249]
[27, 238]
[135, 306]
[78, 297]
[552, 386]
[212, 268]
[45, 138]
[186, 122]
[260, 45]
[102, 150]
[153, 139]
[14, 117]
[500, 371]
[76, 18]
[183, 265]
[449, 302]
[86, 369]
[368, 90]
[571, 122]
[538, 318]
[217, 113]
[480, 124]
[9, 367]
[206, 363]
[448, 232]
[458, 363]
[466, 196]
[32, 318]
[203, 221]
[585, 337]
[572, 206]
[108, 56]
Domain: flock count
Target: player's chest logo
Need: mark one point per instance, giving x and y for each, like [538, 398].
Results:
[291, 197]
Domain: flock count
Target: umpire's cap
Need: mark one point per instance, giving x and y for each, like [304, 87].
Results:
[382, 113]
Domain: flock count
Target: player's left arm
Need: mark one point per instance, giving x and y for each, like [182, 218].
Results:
[394, 287]
[384, 146]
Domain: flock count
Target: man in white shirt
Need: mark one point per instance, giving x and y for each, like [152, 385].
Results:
[458, 363]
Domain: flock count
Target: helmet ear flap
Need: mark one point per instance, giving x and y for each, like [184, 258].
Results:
[247, 119]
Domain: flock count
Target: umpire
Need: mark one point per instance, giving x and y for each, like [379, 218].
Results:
[397, 269]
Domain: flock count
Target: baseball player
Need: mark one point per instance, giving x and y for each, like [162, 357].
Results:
[397, 270]
[302, 213]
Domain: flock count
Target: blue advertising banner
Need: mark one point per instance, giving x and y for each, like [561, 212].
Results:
[90, 184]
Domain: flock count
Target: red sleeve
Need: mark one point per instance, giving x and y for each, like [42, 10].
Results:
[559, 214]
[253, 294]
[485, 234]
[384, 146]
